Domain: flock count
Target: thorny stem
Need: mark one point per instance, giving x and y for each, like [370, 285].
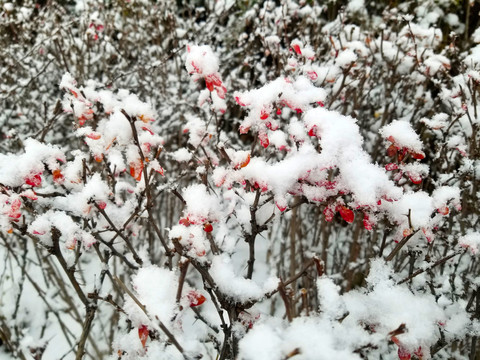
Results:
[436, 263]
[399, 246]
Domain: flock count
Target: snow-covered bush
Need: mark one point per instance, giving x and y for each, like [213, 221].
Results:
[239, 180]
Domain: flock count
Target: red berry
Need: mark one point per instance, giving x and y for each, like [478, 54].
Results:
[444, 210]
[312, 75]
[403, 354]
[209, 84]
[239, 102]
[207, 227]
[407, 232]
[401, 154]
[147, 129]
[418, 353]
[34, 180]
[297, 49]
[346, 214]
[94, 136]
[282, 208]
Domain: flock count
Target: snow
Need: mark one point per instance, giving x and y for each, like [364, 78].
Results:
[387, 306]
[419, 204]
[331, 303]
[346, 58]
[356, 5]
[435, 63]
[310, 338]
[262, 343]
[476, 35]
[471, 242]
[79, 202]
[446, 194]
[438, 121]
[156, 289]
[341, 145]
[236, 287]
[200, 204]
[28, 163]
[182, 155]
[282, 175]
[403, 134]
[272, 40]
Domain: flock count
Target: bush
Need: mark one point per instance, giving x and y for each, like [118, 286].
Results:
[239, 180]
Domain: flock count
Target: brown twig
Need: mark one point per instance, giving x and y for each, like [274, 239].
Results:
[436, 263]
[399, 246]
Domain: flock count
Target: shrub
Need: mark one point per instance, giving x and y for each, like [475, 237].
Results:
[242, 180]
